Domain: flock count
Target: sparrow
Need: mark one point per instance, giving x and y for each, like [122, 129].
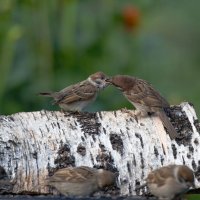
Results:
[76, 97]
[80, 181]
[170, 181]
[144, 98]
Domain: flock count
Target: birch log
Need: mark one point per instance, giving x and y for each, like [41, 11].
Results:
[35, 144]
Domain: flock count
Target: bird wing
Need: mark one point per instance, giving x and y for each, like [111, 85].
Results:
[160, 175]
[143, 93]
[72, 175]
[79, 92]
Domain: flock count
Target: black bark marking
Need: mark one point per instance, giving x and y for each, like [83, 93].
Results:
[196, 141]
[92, 159]
[54, 114]
[105, 160]
[183, 160]
[6, 186]
[191, 149]
[52, 125]
[129, 188]
[13, 143]
[47, 128]
[156, 152]
[46, 114]
[64, 158]
[10, 118]
[94, 138]
[194, 165]
[75, 123]
[131, 120]
[88, 122]
[140, 138]
[197, 172]
[163, 150]
[81, 150]
[181, 123]
[40, 130]
[117, 143]
[35, 118]
[3, 174]
[197, 125]
[134, 160]
[58, 125]
[35, 154]
[100, 115]
[102, 147]
[161, 160]
[128, 168]
[174, 151]
[188, 155]
[142, 163]
[137, 184]
[123, 181]
[104, 130]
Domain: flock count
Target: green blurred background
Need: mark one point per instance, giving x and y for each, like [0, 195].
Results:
[47, 45]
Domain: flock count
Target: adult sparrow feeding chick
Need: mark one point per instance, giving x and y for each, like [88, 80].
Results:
[170, 181]
[144, 97]
[80, 181]
[76, 97]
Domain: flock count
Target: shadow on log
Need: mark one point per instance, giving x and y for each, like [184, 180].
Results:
[34, 145]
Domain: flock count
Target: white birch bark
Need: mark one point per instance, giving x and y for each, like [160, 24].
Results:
[34, 142]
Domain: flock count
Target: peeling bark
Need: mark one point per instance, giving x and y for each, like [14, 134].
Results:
[35, 144]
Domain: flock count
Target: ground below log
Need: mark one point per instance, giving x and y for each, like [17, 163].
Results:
[51, 197]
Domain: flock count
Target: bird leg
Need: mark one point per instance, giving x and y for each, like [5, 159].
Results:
[140, 114]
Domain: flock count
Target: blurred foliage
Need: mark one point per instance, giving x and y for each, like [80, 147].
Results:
[192, 197]
[47, 45]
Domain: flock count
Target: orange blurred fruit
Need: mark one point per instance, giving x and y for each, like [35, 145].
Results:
[131, 17]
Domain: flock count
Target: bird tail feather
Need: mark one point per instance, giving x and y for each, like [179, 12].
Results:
[47, 94]
[168, 125]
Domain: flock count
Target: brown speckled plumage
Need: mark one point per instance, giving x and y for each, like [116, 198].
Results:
[76, 97]
[144, 97]
[80, 181]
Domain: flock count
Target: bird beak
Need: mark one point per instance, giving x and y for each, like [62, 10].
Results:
[109, 80]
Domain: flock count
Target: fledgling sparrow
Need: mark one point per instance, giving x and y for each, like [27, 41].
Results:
[76, 97]
[144, 98]
[170, 181]
[80, 181]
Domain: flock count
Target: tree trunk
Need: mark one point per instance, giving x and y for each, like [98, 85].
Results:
[35, 144]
